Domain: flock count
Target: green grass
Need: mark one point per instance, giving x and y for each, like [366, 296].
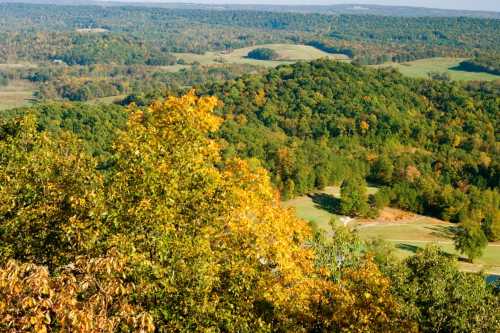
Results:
[421, 68]
[307, 209]
[408, 237]
[16, 94]
[288, 53]
[407, 234]
[106, 100]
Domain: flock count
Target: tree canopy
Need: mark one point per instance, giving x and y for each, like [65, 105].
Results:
[165, 239]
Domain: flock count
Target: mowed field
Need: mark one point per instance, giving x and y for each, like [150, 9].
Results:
[288, 53]
[16, 94]
[421, 69]
[407, 231]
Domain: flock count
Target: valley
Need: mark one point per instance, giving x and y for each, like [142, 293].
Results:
[175, 167]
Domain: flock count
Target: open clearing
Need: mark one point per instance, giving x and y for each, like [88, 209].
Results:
[421, 68]
[23, 65]
[16, 94]
[288, 53]
[91, 30]
[407, 231]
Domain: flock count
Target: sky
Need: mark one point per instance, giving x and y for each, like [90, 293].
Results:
[492, 5]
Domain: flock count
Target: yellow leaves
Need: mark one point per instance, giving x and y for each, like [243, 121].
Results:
[361, 302]
[136, 116]
[174, 229]
[188, 111]
[260, 97]
[485, 159]
[364, 126]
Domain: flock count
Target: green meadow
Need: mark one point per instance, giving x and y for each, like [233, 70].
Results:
[421, 69]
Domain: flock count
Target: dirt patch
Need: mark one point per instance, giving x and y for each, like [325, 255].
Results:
[389, 215]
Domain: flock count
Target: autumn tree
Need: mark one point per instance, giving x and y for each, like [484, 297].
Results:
[50, 196]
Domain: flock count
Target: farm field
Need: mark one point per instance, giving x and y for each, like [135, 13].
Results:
[421, 68]
[17, 65]
[288, 53]
[407, 231]
[16, 94]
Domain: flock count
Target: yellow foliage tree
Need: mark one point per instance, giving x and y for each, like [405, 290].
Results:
[220, 246]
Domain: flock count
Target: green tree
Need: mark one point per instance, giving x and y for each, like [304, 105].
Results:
[441, 297]
[470, 239]
[382, 169]
[263, 54]
[353, 197]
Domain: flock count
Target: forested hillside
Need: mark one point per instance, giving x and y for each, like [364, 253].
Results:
[432, 144]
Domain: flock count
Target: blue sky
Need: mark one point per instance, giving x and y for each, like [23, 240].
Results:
[493, 5]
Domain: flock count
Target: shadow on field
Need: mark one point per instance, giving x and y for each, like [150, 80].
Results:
[409, 247]
[326, 202]
[414, 249]
[443, 231]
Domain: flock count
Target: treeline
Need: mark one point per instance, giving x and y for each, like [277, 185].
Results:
[431, 145]
[170, 235]
[370, 53]
[89, 49]
[84, 83]
[489, 63]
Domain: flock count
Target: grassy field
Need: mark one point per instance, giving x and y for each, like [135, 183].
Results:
[16, 94]
[309, 207]
[421, 68]
[408, 237]
[407, 231]
[288, 53]
[106, 100]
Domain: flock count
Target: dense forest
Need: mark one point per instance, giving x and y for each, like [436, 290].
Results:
[263, 54]
[86, 83]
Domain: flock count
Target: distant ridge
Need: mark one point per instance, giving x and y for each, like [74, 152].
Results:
[354, 9]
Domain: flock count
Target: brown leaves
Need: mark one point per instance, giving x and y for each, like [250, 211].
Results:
[86, 297]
